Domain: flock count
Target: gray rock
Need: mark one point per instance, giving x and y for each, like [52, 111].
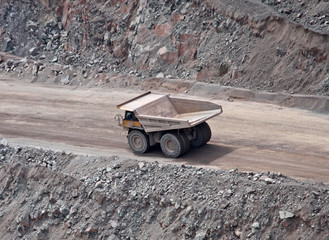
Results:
[16, 63]
[64, 33]
[142, 167]
[280, 52]
[315, 193]
[10, 62]
[233, 170]
[56, 36]
[107, 38]
[250, 190]
[3, 142]
[51, 24]
[238, 232]
[49, 46]
[35, 70]
[74, 193]
[64, 210]
[269, 180]
[113, 223]
[31, 26]
[177, 205]
[286, 214]
[257, 176]
[255, 225]
[185, 9]
[34, 51]
[117, 166]
[100, 70]
[55, 59]
[44, 37]
[160, 75]
[99, 184]
[113, 237]
[65, 80]
[25, 220]
[201, 235]
[7, 45]
[41, 68]
[91, 229]
[69, 59]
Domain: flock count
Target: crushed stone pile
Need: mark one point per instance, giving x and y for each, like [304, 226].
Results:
[55, 195]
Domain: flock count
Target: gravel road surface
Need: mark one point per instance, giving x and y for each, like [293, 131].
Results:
[248, 136]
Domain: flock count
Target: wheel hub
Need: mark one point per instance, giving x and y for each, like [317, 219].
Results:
[137, 142]
[170, 144]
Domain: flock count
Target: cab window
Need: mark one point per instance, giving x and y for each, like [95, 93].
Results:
[130, 116]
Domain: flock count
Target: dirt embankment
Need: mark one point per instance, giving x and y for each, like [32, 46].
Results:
[52, 195]
[251, 44]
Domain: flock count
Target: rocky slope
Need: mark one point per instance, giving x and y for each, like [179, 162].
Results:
[53, 195]
[277, 45]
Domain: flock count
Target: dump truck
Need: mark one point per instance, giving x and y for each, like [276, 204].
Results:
[175, 123]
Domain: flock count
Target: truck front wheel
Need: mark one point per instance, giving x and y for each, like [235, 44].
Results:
[138, 141]
[172, 145]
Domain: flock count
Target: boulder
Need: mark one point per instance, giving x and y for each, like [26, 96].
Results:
[65, 80]
[34, 51]
[31, 26]
[7, 45]
[286, 214]
[3, 142]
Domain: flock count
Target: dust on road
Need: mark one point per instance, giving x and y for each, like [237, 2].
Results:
[248, 136]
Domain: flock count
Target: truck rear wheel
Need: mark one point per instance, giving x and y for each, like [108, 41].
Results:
[138, 141]
[199, 137]
[186, 142]
[206, 132]
[203, 135]
[172, 145]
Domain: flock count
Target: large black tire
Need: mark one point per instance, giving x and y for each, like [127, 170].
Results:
[206, 132]
[186, 142]
[138, 141]
[199, 138]
[172, 145]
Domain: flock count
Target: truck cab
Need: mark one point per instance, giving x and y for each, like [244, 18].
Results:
[131, 121]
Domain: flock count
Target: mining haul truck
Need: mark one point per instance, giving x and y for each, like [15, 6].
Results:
[175, 123]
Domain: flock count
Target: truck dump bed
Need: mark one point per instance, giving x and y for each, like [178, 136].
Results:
[158, 112]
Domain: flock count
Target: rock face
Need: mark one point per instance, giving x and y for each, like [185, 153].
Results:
[260, 45]
[54, 195]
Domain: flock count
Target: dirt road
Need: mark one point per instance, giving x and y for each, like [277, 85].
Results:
[248, 136]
